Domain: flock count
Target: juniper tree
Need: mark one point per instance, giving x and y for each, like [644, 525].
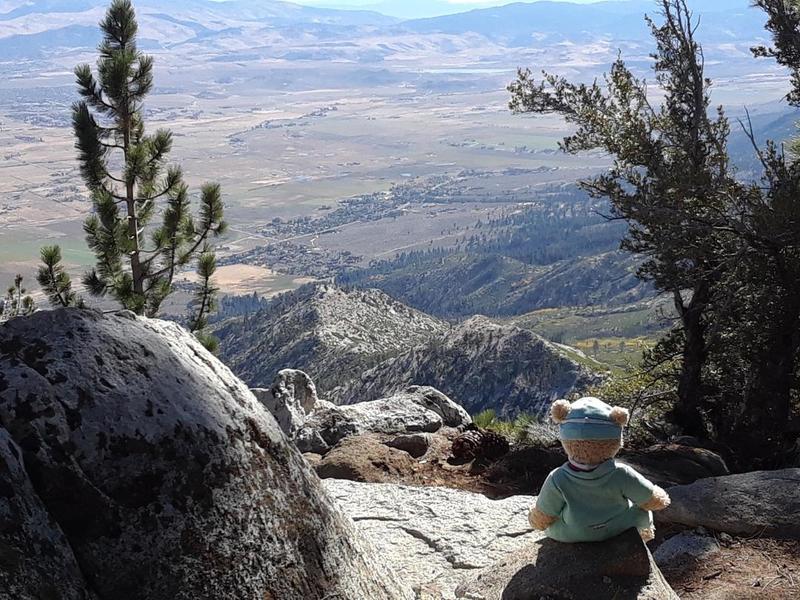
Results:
[669, 180]
[762, 318]
[126, 171]
[756, 344]
[17, 302]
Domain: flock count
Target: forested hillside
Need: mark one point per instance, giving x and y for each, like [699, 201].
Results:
[557, 251]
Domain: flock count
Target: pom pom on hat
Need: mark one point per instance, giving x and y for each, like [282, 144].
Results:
[619, 415]
[560, 411]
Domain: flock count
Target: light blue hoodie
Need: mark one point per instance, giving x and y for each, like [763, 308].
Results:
[595, 505]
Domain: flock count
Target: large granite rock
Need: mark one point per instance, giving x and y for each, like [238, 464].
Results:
[415, 444]
[761, 502]
[136, 466]
[618, 569]
[435, 536]
[404, 412]
[674, 464]
[453, 414]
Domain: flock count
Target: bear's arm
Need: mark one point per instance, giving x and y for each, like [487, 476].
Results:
[640, 490]
[539, 520]
[658, 501]
[549, 504]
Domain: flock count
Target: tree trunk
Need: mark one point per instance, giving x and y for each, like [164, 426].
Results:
[133, 221]
[686, 414]
[762, 432]
[133, 233]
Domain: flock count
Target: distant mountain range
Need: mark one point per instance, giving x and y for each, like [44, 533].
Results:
[34, 28]
[201, 10]
[522, 24]
[407, 9]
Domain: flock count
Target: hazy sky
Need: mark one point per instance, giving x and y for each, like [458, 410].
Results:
[457, 5]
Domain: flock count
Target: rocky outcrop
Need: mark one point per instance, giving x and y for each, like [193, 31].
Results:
[433, 536]
[365, 458]
[290, 398]
[674, 464]
[453, 414]
[480, 365]
[420, 409]
[762, 502]
[332, 334]
[618, 569]
[134, 465]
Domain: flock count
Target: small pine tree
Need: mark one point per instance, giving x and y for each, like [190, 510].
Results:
[17, 302]
[134, 268]
[204, 301]
[55, 280]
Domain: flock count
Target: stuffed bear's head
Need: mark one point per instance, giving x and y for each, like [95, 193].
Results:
[590, 430]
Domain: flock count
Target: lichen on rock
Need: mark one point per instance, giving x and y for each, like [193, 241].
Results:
[166, 476]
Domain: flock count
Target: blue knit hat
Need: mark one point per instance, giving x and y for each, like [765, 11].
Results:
[588, 419]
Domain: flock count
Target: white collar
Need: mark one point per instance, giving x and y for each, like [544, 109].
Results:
[582, 466]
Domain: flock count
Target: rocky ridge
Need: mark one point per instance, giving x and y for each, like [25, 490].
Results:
[363, 345]
[332, 334]
[479, 364]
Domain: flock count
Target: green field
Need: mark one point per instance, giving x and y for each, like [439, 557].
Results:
[613, 337]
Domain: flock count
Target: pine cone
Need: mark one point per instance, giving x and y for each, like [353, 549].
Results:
[478, 443]
[493, 445]
[467, 445]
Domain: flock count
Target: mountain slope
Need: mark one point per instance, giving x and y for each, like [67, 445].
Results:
[333, 335]
[464, 284]
[201, 10]
[38, 28]
[480, 365]
[520, 23]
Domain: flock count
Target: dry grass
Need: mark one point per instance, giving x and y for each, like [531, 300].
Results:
[744, 569]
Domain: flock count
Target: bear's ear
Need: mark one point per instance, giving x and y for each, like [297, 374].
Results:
[619, 415]
[560, 411]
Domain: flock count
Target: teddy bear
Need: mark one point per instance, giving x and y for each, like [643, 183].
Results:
[592, 497]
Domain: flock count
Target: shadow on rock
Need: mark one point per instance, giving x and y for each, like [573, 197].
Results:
[620, 569]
